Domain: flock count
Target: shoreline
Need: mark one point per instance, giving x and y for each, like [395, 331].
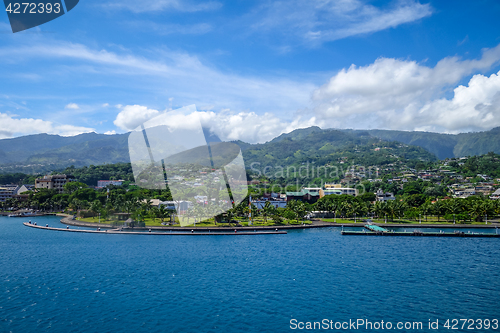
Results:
[67, 219]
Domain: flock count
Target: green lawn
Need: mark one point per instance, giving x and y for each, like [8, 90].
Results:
[256, 222]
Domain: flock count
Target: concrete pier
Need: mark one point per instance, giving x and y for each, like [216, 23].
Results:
[421, 234]
[177, 233]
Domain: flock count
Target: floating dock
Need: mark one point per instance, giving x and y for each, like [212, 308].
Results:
[374, 230]
[179, 233]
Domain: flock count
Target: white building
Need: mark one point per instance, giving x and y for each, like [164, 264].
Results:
[495, 195]
[9, 191]
[338, 189]
[387, 196]
[104, 183]
[56, 182]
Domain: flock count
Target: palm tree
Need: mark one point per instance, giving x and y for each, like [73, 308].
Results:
[439, 209]
[353, 208]
[368, 208]
[268, 210]
[426, 209]
[343, 208]
[333, 206]
[400, 208]
[95, 207]
[477, 210]
[395, 209]
[298, 208]
[480, 208]
[162, 212]
[380, 208]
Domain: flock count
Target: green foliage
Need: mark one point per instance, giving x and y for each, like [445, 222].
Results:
[367, 197]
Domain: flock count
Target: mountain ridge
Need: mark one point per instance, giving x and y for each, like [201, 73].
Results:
[56, 151]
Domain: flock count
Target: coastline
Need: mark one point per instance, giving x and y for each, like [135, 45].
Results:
[67, 219]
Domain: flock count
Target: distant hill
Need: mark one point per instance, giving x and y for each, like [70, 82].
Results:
[44, 152]
[445, 145]
[329, 147]
[441, 145]
[23, 148]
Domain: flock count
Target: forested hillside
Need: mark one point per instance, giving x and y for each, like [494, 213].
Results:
[43, 153]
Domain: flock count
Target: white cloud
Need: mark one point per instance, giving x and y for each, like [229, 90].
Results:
[245, 126]
[319, 21]
[473, 107]
[132, 116]
[160, 5]
[392, 93]
[110, 132]
[11, 125]
[169, 29]
[72, 106]
[252, 127]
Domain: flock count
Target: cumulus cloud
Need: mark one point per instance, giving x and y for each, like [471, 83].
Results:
[132, 116]
[475, 107]
[72, 106]
[252, 127]
[245, 126]
[399, 94]
[11, 125]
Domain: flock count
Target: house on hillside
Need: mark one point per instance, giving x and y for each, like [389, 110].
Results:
[495, 195]
[382, 197]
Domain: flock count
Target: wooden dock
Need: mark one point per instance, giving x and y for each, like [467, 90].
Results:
[177, 233]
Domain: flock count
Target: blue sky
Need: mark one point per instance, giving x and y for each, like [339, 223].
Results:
[255, 69]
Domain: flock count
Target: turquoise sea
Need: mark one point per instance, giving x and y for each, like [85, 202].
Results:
[69, 282]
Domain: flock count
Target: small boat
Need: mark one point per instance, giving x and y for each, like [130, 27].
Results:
[24, 214]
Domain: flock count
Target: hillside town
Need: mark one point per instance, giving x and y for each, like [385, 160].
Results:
[387, 185]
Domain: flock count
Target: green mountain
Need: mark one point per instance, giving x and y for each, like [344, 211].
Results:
[44, 152]
[445, 145]
[329, 147]
[441, 145]
[23, 148]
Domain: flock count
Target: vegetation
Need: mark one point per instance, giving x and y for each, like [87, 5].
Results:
[42, 152]
[411, 209]
[275, 167]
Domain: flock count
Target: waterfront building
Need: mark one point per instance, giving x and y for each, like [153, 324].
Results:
[56, 182]
[179, 206]
[307, 194]
[12, 191]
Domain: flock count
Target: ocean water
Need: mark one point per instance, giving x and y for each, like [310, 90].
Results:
[69, 282]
